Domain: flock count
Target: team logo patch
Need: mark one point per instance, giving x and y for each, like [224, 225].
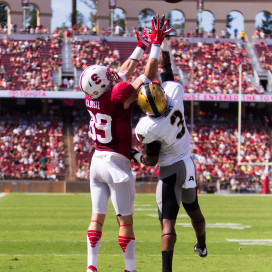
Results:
[141, 137]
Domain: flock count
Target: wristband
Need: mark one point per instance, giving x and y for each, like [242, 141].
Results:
[137, 53]
[138, 156]
[165, 46]
[155, 52]
[122, 76]
[145, 79]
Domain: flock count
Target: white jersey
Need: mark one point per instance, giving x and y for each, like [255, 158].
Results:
[169, 129]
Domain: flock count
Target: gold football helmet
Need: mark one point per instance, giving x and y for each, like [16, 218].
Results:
[152, 99]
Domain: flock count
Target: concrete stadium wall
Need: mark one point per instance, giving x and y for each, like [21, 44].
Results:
[26, 186]
[132, 8]
[16, 14]
[220, 9]
[32, 186]
[18, 186]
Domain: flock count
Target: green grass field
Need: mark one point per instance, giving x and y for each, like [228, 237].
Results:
[47, 232]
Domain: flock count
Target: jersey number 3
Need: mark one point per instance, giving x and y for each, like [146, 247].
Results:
[100, 127]
[178, 115]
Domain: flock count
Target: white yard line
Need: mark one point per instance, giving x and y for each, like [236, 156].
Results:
[118, 255]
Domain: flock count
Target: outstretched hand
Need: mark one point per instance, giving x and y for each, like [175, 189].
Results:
[143, 40]
[162, 20]
[159, 31]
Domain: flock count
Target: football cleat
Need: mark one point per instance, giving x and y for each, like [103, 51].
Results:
[202, 252]
[91, 268]
[130, 271]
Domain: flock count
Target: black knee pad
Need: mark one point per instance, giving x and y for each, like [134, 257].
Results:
[190, 207]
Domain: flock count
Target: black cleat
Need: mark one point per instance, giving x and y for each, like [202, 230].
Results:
[202, 252]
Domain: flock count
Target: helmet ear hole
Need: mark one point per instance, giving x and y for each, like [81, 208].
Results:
[103, 86]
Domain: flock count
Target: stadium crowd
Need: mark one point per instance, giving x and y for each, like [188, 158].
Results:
[212, 67]
[264, 52]
[214, 146]
[86, 53]
[82, 145]
[31, 150]
[29, 64]
[209, 67]
[40, 29]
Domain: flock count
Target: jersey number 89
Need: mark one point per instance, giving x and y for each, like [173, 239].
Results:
[100, 123]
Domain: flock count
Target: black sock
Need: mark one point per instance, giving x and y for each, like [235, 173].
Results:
[167, 258]
[201, 240]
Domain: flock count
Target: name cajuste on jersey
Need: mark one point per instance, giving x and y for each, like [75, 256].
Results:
[93, 104]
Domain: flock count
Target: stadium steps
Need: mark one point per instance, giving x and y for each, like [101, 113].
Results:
[67, 66]
[56, 77]
[253, 57]
[257, 66]
[66, 54]
[70, 160]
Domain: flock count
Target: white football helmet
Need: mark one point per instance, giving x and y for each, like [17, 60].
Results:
[96, 80]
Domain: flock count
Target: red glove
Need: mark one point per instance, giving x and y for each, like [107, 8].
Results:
[144, 40]
[158, 32]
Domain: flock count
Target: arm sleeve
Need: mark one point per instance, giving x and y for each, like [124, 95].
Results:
[167, 72]
[153, 149]
[121, 92]
[167, 76]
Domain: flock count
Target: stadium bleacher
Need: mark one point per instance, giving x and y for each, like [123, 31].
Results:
[209, 65]
[212, 66]
[32, 150]
[264, 51]
[29, 64]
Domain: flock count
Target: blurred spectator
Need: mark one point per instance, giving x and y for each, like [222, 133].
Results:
[32, 150]
[29, 64]
[212, 67]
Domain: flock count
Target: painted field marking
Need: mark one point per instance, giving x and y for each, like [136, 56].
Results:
[219, 226]
[58, 194]
[156, 215]
[231, 195]
[143, 205]
[144, 209]
[117, 255]
[259, 242]
[2, 195]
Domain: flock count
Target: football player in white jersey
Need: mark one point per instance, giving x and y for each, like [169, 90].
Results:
[163, 130]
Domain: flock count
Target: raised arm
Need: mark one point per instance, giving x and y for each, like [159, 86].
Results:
[156, 37]
[131, 63]
[167, 72]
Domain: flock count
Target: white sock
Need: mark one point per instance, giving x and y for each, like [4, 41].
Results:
[93, 243]
[128, 247]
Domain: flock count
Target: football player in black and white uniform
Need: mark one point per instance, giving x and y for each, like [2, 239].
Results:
[163, 130]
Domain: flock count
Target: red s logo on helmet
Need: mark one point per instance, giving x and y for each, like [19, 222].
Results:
[96, 79]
